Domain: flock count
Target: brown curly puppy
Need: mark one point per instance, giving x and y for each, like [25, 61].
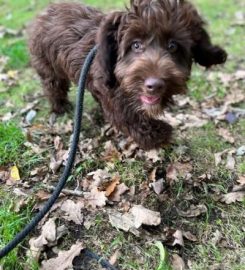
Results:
[144, 58]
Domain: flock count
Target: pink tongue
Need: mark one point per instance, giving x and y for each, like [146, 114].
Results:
[149, 99]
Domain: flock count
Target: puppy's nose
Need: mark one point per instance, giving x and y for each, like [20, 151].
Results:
[152, 84]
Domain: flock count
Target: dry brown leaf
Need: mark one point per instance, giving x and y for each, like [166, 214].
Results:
[225, 134]
[113, 259]
[111, 153]
[178, 238]
[124, 222]
[47, 237]
[158, 186]
[119, 190]
[73, 211]
[240, 75]
[193, 211]
[177, 262]
[96, 198]
[191, 120]
[233, 197]
[241, 180]
[153, 155]
[137, 216]
[152, 174]
[54, 164]
[99, 177]
[112, 185]
[64, 259]
[145, 216]
[178, 169]
[42, 195]
[230, 163]
[190, 236]
[58, 145]
[218, 156]
[171, 119]
[4, 174]
[171, 173]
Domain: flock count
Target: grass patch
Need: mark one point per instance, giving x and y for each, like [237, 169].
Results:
[11, 143]
[132, 172]
[10, 224]
[203, 144]
[16, 51]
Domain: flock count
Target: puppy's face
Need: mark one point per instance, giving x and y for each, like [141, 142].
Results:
[155, 43]
[154, 61]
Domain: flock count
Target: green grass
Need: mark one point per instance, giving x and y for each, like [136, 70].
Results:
[132, 172]
[16, 51]
[11, 143]
[10, 224]
[201, 145]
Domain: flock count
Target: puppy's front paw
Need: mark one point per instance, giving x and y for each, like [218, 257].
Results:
[154, 135]
[219, 55]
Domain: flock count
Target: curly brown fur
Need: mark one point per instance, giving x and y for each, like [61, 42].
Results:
[144, 58]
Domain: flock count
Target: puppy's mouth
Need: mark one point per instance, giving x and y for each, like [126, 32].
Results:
[150, 99]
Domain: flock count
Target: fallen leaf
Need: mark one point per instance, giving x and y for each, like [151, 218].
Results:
[240, 75]
[171, 173]
[153, 155]
[145, 216]
[111, 186]
[177, 262]
[114, 258]
[47, 237]
[14, 173]
[152, 175]
[191, 121]
[193, 211]
[178, 238]
[42, 195]
[99, 177]
[171, 119]
[58, 145]
[96, 198]
[4, 174]
[218, 156]
[124, 222]
[190, 236]
[64, 259]
[119, 190]
[158, 186]
[233, 197]
[73, 211]
[216, 237]
[225, 133]
[241, 180]
[111, 153]
[178, 169]
[54, 164]
[230, 163]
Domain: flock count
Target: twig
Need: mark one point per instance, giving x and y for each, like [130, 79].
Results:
[67, 191]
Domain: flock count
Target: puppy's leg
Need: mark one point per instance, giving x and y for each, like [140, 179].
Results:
[150, 133]
[56, 90]
[55, 87]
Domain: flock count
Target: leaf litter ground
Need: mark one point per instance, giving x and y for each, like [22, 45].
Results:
[120, 200]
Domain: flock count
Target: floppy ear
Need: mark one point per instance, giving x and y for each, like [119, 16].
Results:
[204, 52]
[107, 40]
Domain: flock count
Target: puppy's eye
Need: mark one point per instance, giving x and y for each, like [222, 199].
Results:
[137, 46]
[172, 46]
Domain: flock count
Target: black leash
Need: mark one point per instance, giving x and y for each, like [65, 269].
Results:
[67, 170]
